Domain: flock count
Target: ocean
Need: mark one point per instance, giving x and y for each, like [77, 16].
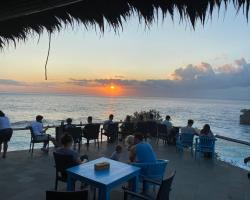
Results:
[222, 115]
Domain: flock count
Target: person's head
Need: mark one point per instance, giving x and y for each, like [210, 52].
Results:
[39, 118]
[118, 148]
[89, 119]
[138, 138]
[129, 140]
[168, 117]
[128, 118]
[141, 117]
[67, 140]
[151, 116]
[111, 117]
[190, 122]
[2, 114]
[206, 128]
[69, 121]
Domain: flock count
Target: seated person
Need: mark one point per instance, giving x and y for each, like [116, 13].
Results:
[5, 133]
[206, 131]
[151, 126]
[189, 129]
[167, 122]
[66, 149]
[69, 124]
[89, 120]
[117, 153]
[141, 152]
[129, 141]
[106, 128]
[40, 133]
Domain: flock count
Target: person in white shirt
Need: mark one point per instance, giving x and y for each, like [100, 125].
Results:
[189, 129]
[40, 133]
[5, 133]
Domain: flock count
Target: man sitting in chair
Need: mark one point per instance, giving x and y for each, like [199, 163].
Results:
[141, 152]
[189, 129]
[106, 127]
[40, 132]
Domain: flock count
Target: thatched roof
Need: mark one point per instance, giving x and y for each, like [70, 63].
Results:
[20, 18]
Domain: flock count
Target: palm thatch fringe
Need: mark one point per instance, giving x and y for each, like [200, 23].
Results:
[21, 18]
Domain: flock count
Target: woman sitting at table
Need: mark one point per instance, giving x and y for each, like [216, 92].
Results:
[206, 131]
[67, 142]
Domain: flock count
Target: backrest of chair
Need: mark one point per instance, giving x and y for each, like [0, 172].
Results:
[153, 171]
[165, 188]
[206, 141]
[162, 128]
[63, 162]
[92, 131]
[187, 139]
[77, 195]
[141, 127]
[31, 132]
[128, 127]
[75, 132]
[152, 128]
[112, 128]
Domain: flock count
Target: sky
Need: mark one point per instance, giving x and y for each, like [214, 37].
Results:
[168, 59]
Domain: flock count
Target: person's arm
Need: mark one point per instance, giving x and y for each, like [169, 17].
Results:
[132, 154]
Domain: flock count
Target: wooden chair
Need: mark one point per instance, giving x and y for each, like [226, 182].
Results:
[91, 132]
[76, 133]
[127, 128]
[111, 132]
[62, 162]
[34, 139]
[162, 133]
[163, 192]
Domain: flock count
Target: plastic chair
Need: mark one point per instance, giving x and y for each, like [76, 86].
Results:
[154, 171]
[91, 132]
[163, 192]
[62, 162]
[205, 144]
[185, 140]
[34, 139]
[162, 133]
[111, 132]
[78, 195]
[76, 133]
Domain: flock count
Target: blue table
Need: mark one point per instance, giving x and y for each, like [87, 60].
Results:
[104, 180]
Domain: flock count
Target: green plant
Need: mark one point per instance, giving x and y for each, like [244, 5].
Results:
[146, 114]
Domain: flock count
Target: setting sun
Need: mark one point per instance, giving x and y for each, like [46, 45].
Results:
[112, 87]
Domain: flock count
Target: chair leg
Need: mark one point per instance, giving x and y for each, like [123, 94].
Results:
[56, 184]
[98, 143]
[79, 147]
[32, 148]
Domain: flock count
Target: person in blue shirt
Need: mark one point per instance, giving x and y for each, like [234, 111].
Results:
[142, 152]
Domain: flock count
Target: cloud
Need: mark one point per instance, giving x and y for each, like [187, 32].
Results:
[201, 80]
[11, 82]
[191, 72]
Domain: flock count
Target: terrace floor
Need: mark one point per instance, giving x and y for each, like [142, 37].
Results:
[26, 177]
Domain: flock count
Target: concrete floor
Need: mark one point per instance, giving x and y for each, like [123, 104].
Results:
[26, 177]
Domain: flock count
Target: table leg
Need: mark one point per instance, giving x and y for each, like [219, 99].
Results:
[70, 184]
[104, 194]
[135, 183]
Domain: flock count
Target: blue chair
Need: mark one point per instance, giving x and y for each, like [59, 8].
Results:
[205, 144]
[184, 140]
[152, 171]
